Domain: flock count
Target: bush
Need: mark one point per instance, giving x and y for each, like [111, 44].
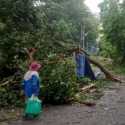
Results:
[83, 81]
[58, 81]
[58, 84]
[11, 94]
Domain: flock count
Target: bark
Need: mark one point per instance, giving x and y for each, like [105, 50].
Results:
[87, 88]
[108, 74]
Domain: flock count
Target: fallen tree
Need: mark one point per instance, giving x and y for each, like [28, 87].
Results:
[107, 73]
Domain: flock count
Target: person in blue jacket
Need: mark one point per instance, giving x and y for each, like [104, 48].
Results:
[31, 81]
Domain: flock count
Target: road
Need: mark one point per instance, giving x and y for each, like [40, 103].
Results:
[110, 110]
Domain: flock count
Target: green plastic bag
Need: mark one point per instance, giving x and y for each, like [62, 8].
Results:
[33, 106]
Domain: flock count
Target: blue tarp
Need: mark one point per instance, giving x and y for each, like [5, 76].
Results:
[83, 67]
[80, 65]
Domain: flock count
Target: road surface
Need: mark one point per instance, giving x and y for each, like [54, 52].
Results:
[110, 110]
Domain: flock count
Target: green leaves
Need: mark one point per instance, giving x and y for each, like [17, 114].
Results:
[113, 25]
[51, 27]
[58, 81]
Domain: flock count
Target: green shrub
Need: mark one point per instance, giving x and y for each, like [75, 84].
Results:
[58, 84]
[83, 81]
[58, 81]
[11, 95]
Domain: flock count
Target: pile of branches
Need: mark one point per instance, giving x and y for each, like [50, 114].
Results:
[11, 91]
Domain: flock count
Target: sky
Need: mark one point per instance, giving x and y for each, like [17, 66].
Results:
[93, 5]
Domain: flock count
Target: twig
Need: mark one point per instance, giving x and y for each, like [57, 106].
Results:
[7, 82]
[86, 88]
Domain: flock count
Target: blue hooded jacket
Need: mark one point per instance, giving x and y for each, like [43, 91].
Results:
[31, 83]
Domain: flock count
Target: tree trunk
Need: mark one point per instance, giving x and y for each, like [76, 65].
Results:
[102, 68]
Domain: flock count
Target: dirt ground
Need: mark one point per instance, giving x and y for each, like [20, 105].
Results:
[110, 110]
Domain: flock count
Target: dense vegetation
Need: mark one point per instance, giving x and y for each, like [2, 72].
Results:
[59, 84]
[112, 19]
[48, 25]
[52, 26]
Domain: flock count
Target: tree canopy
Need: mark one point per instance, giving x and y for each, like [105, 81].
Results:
[112, 17]
[49, 25]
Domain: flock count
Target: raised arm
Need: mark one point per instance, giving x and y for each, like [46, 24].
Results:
[30, 52]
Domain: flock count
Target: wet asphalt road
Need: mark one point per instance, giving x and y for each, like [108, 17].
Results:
[110, 110]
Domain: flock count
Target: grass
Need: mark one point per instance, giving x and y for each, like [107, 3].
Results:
[117, 69]
[112, 65]
[100, 84]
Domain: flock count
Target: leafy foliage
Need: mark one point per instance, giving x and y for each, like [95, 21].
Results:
[59, 81]
[58, 85]
[49, 26]
[11, 94]
[52, 26]
[112, 16]
[107, 49]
